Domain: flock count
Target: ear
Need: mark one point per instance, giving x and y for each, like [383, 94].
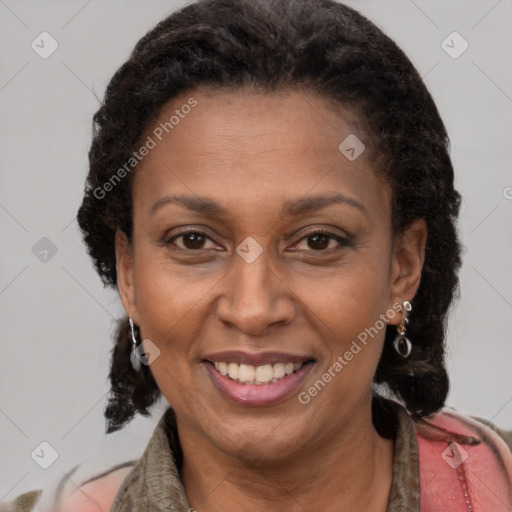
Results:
[407, 257]
[124, 268]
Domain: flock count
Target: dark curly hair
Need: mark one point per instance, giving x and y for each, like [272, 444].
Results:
[320, 46]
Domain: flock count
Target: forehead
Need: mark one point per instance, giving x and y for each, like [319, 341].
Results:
[281, 144]
[302, 121]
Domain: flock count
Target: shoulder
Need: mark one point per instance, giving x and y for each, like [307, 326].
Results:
[464, 458]
[95, 494]
[91, 485]
[506, 435]
[497, 439]
[23, 503]
[477, 435]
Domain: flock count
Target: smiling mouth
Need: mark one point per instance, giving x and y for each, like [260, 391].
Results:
[257, 375]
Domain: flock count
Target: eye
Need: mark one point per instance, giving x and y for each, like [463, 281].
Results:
[191, 240]
[319, 241]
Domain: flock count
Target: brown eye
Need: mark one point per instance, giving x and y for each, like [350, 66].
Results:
[318, 241]
[191, 240]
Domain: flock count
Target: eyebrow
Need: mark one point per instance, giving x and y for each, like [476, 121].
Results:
[308, 204]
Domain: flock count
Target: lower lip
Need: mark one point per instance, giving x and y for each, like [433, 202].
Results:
[258, 394]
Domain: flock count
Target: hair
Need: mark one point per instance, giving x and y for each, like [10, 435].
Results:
[320, 46]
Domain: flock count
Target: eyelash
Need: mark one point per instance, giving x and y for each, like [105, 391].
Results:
[344, 242]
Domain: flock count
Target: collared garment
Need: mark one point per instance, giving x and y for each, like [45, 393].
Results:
[153, 484]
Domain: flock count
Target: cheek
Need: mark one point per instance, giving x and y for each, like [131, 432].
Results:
[165, 308]
[351, 295]
[168, 311]
[345, 311]
[167, 297]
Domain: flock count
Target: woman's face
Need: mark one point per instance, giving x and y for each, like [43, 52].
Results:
[232, 273]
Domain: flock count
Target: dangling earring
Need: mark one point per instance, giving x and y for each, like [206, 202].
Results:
[401, 343]
[133, 356]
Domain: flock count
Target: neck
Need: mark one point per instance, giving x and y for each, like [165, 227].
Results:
[351, 470]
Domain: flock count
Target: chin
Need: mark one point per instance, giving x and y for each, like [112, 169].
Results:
[260, 441]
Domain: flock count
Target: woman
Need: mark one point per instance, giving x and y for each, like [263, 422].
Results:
[270, 191]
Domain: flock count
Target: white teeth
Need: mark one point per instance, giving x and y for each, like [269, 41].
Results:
[279, 371]
[233, 371]
[246, 373]
[263, 374]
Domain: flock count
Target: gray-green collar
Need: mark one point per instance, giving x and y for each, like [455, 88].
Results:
[154, 484]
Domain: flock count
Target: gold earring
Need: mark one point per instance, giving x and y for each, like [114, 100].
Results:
[402, 344]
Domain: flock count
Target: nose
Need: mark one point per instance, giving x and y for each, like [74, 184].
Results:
[255, 297]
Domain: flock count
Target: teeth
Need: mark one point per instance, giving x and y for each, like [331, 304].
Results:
[264, 374]
[233, 371]
[246, 373]
[279, 371]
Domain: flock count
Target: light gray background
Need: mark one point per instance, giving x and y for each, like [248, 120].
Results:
[57, 320]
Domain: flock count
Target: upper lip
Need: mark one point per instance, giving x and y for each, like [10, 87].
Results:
[256, 359]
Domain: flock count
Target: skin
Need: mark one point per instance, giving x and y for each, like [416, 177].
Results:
[251, 152]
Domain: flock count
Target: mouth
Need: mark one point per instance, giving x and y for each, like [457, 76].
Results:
[257, 375]
[257, 379]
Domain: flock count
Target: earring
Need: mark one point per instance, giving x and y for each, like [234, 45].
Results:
[133, 356]
[401, 343]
